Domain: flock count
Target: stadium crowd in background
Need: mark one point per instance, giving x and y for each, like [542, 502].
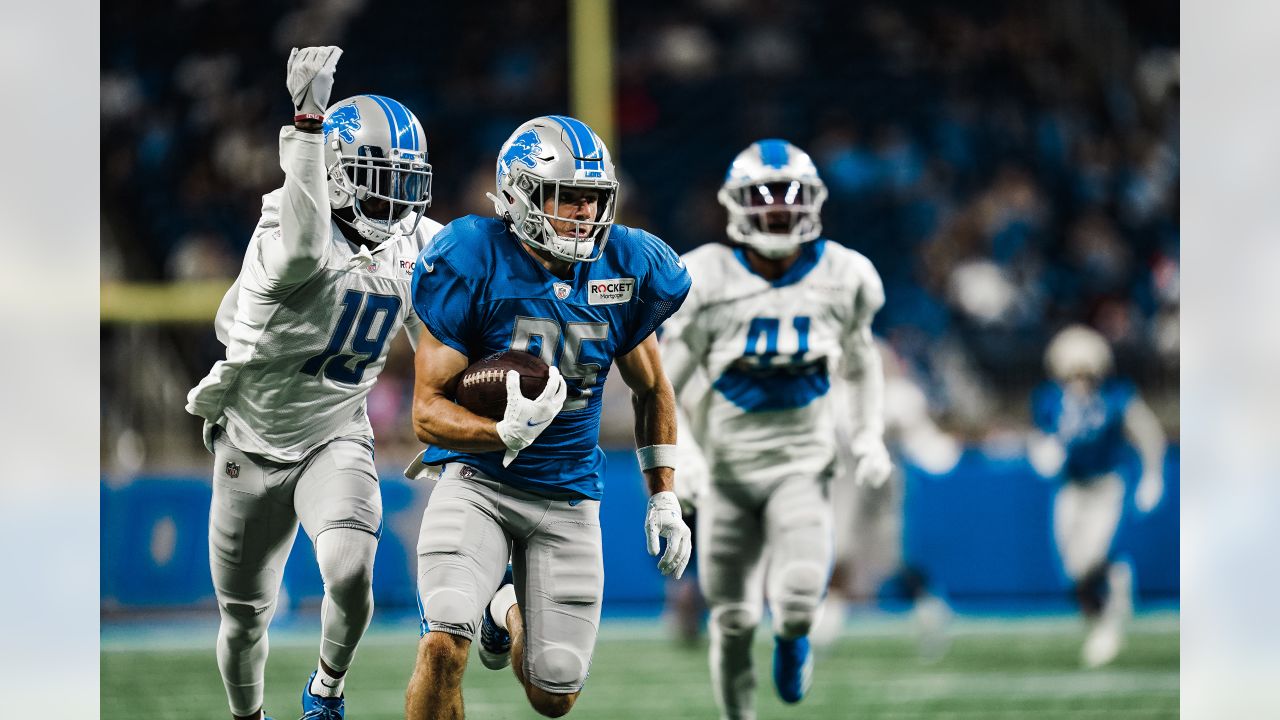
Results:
[1009, 169]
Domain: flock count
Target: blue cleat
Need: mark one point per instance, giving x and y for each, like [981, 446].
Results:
[495, 643]
[792, 668]
[315, 707]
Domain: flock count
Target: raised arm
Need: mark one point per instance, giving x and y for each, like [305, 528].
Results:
[295, 253]
[655, 407]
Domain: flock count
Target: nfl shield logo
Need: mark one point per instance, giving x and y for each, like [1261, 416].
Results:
[562, 290]
[233, 470]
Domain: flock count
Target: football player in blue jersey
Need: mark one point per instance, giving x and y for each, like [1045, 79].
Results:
[1083, 420]
[552, 275]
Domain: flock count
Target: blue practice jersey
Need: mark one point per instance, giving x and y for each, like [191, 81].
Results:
[479, 292]
[1091, 428]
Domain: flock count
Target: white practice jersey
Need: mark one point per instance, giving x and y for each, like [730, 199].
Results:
[309, 320]
[769, 351]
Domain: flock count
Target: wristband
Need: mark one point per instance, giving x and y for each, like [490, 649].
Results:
[308, 116]
[655, 456]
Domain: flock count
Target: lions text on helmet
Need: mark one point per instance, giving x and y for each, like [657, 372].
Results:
[376, 156]
[774, 198]
[556, 188]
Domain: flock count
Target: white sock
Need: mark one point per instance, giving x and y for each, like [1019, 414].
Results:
[501, 603]
[326, 685]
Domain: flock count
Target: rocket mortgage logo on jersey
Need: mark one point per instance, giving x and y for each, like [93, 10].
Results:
[611, 291]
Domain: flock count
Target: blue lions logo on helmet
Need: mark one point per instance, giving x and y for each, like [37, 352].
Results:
[523, 149]
[346, 120]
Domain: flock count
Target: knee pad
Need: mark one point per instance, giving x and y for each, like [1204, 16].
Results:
[559, 668]
[244, 622]
[800, 587]
[449, 607]
[345, 558]
[735, 619]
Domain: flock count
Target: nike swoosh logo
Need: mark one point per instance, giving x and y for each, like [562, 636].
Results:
[429, 267]
[536, 424]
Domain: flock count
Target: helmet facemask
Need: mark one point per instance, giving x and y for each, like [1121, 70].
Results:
[382, 191]
[774, 216]
[585, 238]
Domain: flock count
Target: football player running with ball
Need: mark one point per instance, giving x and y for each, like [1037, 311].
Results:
[307, 324]
[552, 275]
[1084, 418]
[771, 317]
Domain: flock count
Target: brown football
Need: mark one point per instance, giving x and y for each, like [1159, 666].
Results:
[482, 389]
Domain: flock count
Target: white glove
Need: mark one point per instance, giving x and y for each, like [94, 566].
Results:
[1150, 490]
[871, 463]
[310, 78]
[525, 419]
[1046, 454]
[663, 520]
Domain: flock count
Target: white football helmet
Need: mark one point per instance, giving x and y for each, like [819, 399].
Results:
[774, 197]
[1078, 351]
[376, 155]
[542, 157]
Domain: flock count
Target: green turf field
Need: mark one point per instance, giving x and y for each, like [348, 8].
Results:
[1002, 669]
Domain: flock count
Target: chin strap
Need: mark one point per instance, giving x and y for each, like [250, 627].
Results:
[364, 231]
[497, 206]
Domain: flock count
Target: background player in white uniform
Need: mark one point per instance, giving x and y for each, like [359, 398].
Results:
[1084, 419]
[323, 289]
[770, 320]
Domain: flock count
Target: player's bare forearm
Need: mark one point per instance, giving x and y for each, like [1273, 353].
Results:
[437, 419]
[655, 406]
[656, 425]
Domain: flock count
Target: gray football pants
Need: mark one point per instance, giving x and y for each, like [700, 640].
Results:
[257, 505]
[1086, 515]
[753, 539]
[471, 526]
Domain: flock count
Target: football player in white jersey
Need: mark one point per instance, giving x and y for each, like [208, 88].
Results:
[1084, 419]
[324, 287]
[771, 319]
